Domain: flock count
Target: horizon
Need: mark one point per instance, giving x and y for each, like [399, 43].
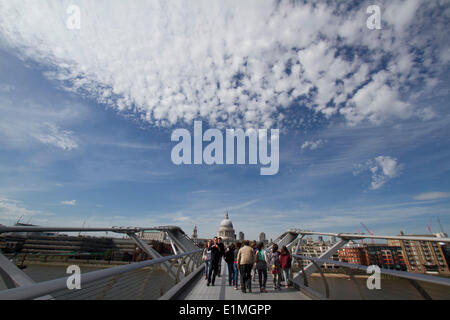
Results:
[88, 105]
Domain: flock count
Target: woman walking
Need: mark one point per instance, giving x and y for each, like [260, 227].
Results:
[235, 265]
[285, 260]
[261, 266]
[229, 259]
[206, 257]
[276, 267]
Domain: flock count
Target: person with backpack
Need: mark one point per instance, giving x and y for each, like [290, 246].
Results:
[229, 259]
[261, 266]
[285, 260]
[275, 267]
[206, 257]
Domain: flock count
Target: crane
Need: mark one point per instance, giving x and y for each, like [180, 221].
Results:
[440, 225]
[429, 226]
[367, 229]
[359, 232]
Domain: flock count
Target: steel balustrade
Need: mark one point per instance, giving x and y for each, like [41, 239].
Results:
[40, 289]
[413, 278]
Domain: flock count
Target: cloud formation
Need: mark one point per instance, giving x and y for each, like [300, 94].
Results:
[382, 168]
[432, 196]
[69, 203]
[13, 210]
[236, 63]
[313, 145]
[51, 135]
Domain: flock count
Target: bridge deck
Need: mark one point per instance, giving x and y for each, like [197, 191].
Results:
[223, 291]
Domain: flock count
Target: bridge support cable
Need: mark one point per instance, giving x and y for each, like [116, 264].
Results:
[152, 253]
[180, 262]
[309, 269]
[13, 277]
[351, 275]
[419, 288]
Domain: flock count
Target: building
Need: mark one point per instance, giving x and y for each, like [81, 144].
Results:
[194, 233]
[262, 238]
[241, 236]
[226, 230]
[353, 253]
[384, 256]
[309, 247]
[425, 256]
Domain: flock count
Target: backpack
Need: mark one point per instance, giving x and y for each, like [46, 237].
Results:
[262, 255]
[276, 259]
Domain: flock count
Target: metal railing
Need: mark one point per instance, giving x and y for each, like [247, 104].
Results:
[414, 279]
[131, 281]
[400, 283]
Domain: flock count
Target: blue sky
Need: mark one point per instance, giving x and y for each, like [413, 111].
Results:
[85, 123]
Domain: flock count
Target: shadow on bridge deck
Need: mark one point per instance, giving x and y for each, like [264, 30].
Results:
[223, 291]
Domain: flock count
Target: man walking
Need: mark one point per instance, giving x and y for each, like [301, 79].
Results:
[215, 260]
[245, 260]
[222, 253]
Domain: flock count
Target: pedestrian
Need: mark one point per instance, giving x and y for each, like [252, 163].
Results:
[261, 266]
[286, 261]
[246, 259]
[206, 257]
[222, 253]
[237, 246]
[229, 259]
[254, 247]
[275, 267]
[215, 260]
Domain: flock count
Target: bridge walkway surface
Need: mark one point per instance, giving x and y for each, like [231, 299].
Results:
[223, 291]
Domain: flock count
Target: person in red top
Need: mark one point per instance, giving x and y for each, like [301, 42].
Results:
[286, 260]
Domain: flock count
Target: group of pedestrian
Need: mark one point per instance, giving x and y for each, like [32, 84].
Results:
[242, 259]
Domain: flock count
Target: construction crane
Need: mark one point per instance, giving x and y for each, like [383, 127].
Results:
[429, 226]
[440, 225]
[359, 232]
[369, 231]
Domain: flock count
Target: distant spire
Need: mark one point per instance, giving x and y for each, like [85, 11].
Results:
[226, 215]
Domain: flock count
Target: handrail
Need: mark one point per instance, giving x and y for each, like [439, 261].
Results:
[6, 229]
[395, 273]
[43, 288]
[358, 236]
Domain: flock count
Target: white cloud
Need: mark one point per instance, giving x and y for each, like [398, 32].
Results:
[51, 135]
[382, 168]
[432, 196]
[69, 203]
[12, 210]
[24, 121]
[230, 62]
[313, 145]
[6, 88]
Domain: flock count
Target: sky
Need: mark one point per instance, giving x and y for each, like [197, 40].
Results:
[91, 91]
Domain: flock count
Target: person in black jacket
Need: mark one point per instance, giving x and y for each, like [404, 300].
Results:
[215, 260]
[229, 259]
[222, 253]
